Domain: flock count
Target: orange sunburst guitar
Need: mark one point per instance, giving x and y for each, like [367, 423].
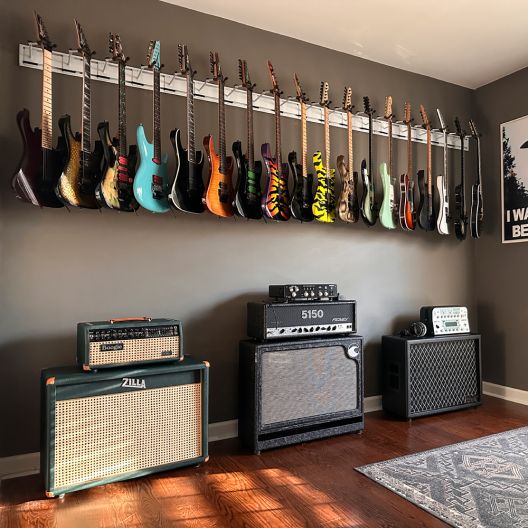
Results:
[406, 208]
[219, 193]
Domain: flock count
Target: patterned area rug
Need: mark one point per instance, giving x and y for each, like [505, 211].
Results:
[480, 483]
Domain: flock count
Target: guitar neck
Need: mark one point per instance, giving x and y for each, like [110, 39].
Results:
[390, 147]
[122, 110]
[429, 161]
[221, 126]
[191, 150]
[251, 141]
[409, 150]
[350, 149]
[157, 117]
[327, 140]
[278, 155]
[370, 144]
[479, 180]
[47, 116]
[86, 107]
[445, 161]
[304, 141]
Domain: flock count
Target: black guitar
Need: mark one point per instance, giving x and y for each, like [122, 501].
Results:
[302, 199]
[248, 195]
[188, 186]
[460, 217]
[369, 209]
[477, 211]
[426, 208]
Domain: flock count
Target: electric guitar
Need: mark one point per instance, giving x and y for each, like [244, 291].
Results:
[40, 165]
[460, 219]
[368, 200]
[386, 213]
[219, 194]
[443, 186]
[188, 186]
[82, 169]
[324, 207]
[116, 188]
[348, 205]
[151, 183]
[276, 197]
[477, 211]
[248, 194]
[302, 199]
[406, 208]
[426, 210]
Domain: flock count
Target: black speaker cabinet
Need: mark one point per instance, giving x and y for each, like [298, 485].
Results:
[423, 376]
[294, 391]
[118, 424]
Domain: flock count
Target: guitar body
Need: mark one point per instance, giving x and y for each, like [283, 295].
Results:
[476, 213]
[323, 207]
[404, 203]
[348, 204]
[276, 198]
[39, 168]
[426, 213]
[367, 199]
[460, 219]
[80, 176]
[386, 214]
[188, 186]
[302, 199]
[441, 222]
[151, 183]
[248, 195]
[219, 193]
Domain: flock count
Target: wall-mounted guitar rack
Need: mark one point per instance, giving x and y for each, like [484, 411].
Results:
[30, 56]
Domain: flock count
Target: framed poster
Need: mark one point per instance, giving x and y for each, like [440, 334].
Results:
[514, 182]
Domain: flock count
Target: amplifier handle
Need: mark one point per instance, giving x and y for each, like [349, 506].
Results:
[122, 319]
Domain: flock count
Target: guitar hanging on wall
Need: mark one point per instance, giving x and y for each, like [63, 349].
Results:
[406, 208]
[188, 186]
[248, 194]
[219, 194]
[368, 200]
[82, 170]
[348, 205]
[302, 199]
[40, 165]
[116, 187]
[442, 184]
[477, 211]
[276, 197]
[426, 210]
[324, 207]
[460, 218]
[386, 213]
[151, 184]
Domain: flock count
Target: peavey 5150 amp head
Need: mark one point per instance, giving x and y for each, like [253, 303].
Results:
[134, 340]
[267, 320]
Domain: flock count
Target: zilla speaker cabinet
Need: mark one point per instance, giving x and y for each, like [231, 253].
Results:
[118, 424]
[423, 376]
[295, 391]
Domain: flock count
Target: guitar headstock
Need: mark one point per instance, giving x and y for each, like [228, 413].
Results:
[347, 99]
[388, 108]
[153, 55]
[115, 48]
[82, 43]
[243, 74]
[184, 61]
[443, 126]
[460, 133]
[43, 38]
[323, 94]
[425, 118]
[274, 81]
[299, 93]
[473, 128]
[216, 68]
[366, 106]
[407, 114]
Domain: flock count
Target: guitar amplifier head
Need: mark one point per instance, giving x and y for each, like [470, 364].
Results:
[119, 424]
[121, 342]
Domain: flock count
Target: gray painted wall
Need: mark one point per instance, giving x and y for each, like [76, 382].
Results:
[59, 267]
[501, 289]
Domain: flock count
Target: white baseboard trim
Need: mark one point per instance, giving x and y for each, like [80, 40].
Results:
[505, 393]
[29, 463]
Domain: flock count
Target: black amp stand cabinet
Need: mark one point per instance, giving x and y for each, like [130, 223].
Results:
[298, 390]
[423, 376]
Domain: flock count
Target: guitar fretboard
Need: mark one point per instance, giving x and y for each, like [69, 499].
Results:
[304, 140]
[429, 163]
[278, 154]
[444, 181]
[221, 126]
[250, 143]
[86, 107]
[327, 140]
[390, 146]
[191, 150]
[350, 147]
[157, 118]
[122, 110]
[47, 116]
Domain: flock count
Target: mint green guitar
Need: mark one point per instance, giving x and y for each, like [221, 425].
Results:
[387, 211]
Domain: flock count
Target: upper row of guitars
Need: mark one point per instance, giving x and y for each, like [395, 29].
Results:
[71, 174]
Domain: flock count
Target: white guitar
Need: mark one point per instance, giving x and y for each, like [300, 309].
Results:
[442, 186]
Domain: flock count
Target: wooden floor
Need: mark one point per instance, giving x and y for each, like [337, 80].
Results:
[313, 484]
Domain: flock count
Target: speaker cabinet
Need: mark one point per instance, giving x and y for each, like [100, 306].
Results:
[423, 376]
[118, 424]
[294, 391]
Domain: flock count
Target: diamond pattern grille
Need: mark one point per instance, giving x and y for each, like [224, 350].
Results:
[443, 374]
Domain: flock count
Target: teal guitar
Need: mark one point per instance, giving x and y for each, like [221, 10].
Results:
[386, 213]
[151, 183]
